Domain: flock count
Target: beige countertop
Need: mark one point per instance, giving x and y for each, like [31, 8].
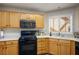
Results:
[8, 39]
[57, 37]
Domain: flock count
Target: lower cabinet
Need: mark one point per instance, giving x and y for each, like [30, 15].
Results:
[61, 47]
[42, 46]
[64, 47]
[53, 46]
[2, 48]
[11, 50]
[72, 47]
[9, 47]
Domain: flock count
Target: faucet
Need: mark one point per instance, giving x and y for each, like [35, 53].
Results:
[59, 34]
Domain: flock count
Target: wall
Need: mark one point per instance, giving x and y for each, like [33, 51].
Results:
[46, 24]
[11, 33]
[59, 12]
[20, 10]
[76, 20]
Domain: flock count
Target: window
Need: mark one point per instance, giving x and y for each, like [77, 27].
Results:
[60, 23]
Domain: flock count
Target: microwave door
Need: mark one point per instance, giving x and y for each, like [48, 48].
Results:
[27, 24]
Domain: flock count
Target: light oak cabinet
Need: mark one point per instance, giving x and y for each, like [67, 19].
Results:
[64, 47]
[39, 21]
[27, 16]
[2, 48]
[9, 47]
[42, 47]
[4, 19]
[9, 19]
[53, 46]
[12, 47]
[60, 47]
[72, 47]
[12, 19]
[0, 19]
[15, 19]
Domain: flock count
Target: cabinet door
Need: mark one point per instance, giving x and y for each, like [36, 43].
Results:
[72, 47]
[5, 19]
[2, 48]
[41, 46]
[15, 19]
[12, 50]
[12, 47]
[39, 21]
[53, 46]
[64, 47]
[0, 19]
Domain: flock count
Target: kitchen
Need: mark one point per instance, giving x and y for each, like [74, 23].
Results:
[29, 29]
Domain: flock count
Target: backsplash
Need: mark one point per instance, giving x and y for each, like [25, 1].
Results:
[11, 33]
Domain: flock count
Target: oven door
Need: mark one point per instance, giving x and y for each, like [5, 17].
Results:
[28, 45]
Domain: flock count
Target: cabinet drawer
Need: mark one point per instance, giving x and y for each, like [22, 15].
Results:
[41, 43]
[2, 43]
[64, 41]
[53, 41]
[11, 42]
[41, 46]
[41, 39]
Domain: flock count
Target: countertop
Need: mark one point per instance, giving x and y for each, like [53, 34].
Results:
[57, 37]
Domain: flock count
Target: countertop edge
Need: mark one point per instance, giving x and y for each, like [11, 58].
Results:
[50, 37]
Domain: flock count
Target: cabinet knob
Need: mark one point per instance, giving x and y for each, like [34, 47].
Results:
[7, 25]
[5, 47]
[2, 47]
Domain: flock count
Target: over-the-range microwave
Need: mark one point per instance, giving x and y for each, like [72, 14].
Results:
[27, 24]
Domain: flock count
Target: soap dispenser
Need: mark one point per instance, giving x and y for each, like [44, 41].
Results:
[50, 34]
[1, 33]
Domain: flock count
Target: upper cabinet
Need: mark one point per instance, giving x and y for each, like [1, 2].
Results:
[39, 21]
[27, 16]
[15, 19]
[60, 23]
[0, 19]
[4, 19]
[12, 19]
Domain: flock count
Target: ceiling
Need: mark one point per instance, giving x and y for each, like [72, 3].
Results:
[43, 7]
